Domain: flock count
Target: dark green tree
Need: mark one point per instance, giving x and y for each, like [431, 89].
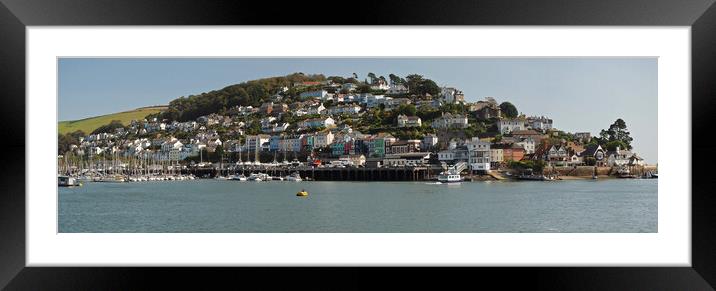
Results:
[364, 88]
[616, 132]
[508, 110]
[394, 79]
[413, 81]
[428, 87]
[109, 128]
[373, 78]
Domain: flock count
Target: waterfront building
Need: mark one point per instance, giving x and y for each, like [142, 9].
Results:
[497, 156]
[479, 155]
[557, 155]
[454, 155]
[430, 141]
[513, 153]
[619, 157]
[528, 144]
[293, 143]
[274, 142]
[406, 159]
[596, 152]
[323, 139]
[255, 142]
[403, 146]
[373, 146]
[353, 160]
[636, 160]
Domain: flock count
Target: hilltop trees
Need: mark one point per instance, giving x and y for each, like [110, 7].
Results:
[108, 128]
[65, 141]
[372, 77]
[508, 110]
[394, 79]
[251, 93]
[421, 86]
[616, 135]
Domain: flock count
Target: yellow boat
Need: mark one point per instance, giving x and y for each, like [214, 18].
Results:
[302, 193]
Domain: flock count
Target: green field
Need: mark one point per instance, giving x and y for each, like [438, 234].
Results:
[89, 124]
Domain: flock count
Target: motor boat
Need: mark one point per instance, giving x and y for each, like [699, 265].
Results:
[66, 181]
[295, 177]
[450, 176]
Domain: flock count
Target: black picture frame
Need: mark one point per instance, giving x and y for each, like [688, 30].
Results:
[15, 15]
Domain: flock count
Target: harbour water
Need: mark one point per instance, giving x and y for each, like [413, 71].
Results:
[214, 206]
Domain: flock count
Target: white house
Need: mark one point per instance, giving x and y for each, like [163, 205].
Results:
[452, 95]
[528, 144]
[621, 157]
[380, 85]
[507, 125]
[540, 123]
[496, 156]
[317, 122]
[371, 100]
[317, 109]
[397, 89]
[323, 139]
[448, 120]
[172, 144]
[479, 155]
[345, 109]
[348, 86]
[409, 121]
[429, 141]
[274, 127]
[320, 94]
[558, 154]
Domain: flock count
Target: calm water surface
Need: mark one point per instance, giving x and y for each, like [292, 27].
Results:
[232, 206]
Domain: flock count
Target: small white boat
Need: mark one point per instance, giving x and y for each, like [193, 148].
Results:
[295, 177]
[238, 177]
[66, 181]
[449, 176]
[112, 179]
[258, 177]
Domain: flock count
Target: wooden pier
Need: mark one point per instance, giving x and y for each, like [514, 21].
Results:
[328, 174]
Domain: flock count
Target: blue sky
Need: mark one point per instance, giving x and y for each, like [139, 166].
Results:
[580, 94]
